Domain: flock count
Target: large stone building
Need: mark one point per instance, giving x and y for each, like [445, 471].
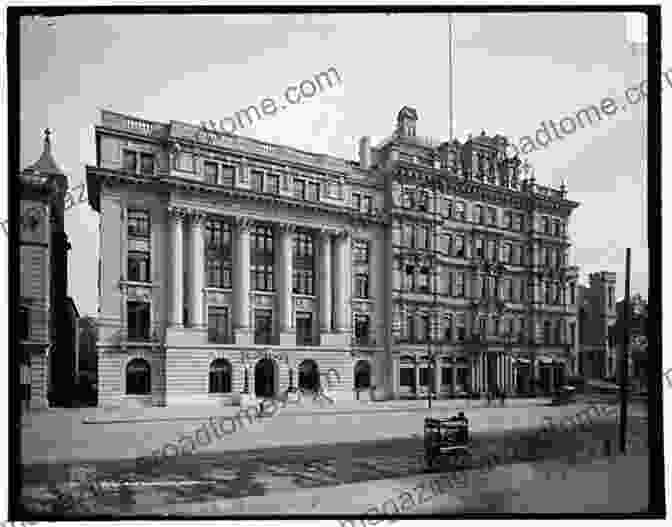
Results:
[229, 265]
[47, 352]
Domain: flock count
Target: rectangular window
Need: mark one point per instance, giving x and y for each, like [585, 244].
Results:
[185, 162]
[147, 164]
[572, 294]
[362, 286]
[460, 326]
[506, 253]
[228, 175]
[545, 226]
[477, 214]
[361, 329]
[138, 267]
[547, 331]
[24, 323]
[459, 210]
[448, 331]
[130, 161]
[138, 320]
[410, 328]
[518, 222]
[257, 181]
[218, 324]
[478, 247]
[492, 216]
[367, 204]
[492, 250]
[361, 251]
[425, 328]
[263, 326]
[572, 333]
[356, 201]
[313, 191]
[138, 223]
[272, 183]
[459, 284]
[556, 228]
[508, 219]
[459, 246]
[299, 188]
[304, 329]
[448, 208]
[210, 172]
[262, 258]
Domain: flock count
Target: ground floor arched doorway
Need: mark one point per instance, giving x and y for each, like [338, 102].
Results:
[362, 374]
[309, 375]
[264, 378]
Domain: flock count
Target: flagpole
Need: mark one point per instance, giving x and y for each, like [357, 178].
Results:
[451, 52]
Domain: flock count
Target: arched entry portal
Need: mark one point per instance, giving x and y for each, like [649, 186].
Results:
[362, 374]
[264, 378]
[309, 375]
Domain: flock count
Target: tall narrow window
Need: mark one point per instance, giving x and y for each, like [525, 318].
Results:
[362, 285]
[138, 223]
[448, 331]
[273, 184]
[304, 263]
[362, 329]
[360, 249]
[218, 253]
[304, 329]
[130, 161]
[138, 320]
[263, 326]
[459, 246]
[147, 164]
[459, 210]
[218, 324]
[313, 191]
[257, 181]
[262, 258]
[138, 266]
[210, 171]
[299, 188]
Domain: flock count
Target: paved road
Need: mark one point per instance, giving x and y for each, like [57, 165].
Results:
[227, 475]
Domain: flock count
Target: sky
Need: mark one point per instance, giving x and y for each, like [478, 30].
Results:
[512, 71]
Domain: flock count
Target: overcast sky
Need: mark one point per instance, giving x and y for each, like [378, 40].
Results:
[511, 72]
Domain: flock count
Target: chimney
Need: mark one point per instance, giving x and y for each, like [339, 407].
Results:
[365, 152]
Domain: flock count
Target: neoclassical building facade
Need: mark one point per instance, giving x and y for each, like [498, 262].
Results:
[232, 266]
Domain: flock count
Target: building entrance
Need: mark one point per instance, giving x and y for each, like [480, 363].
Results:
[309, 375]
[264, 378]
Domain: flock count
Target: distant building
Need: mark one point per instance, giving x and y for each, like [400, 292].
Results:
[638, 350]
[596, 314]
[47, 358]
[229, 265]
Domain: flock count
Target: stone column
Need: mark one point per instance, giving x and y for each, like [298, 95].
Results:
[438, 367]
[285, 273]
[241, 286]
[197, 270]
[416, 371]
[325, 255]
[342, 284]
[176, 223]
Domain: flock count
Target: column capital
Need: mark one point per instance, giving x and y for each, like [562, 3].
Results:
[343, 233]
[197, 217]
[177, 213]
[287, 228]
[243, 224]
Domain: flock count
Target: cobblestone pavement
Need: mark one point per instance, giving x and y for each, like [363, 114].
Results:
[120, 487]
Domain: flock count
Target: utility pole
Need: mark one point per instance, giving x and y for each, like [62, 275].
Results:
[624, 354]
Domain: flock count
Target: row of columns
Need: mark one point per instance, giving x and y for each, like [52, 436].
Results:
[505, 374]
[334, 316]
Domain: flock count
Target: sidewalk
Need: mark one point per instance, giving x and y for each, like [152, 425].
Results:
[308, 407]
[615, 484]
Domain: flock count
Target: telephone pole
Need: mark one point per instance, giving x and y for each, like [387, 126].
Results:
[624, 354]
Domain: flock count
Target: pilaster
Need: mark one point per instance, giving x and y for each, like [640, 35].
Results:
[176, 216]
[285, 273]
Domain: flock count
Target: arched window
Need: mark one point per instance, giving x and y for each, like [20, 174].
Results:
[220, 376]
[362, 374]
[138, 377]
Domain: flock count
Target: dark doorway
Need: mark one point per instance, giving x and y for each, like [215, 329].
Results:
[264, 378]
[309, 375]
[362, 374]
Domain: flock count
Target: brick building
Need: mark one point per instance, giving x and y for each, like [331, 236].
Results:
[229, 265]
